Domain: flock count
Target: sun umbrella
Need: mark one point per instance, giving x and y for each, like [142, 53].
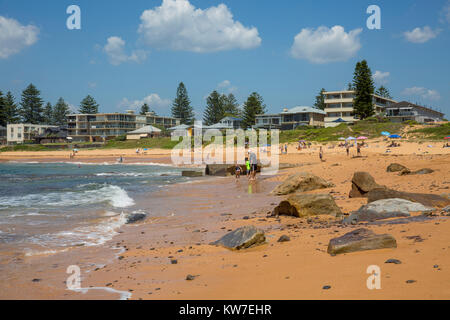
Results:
[351, 138]
[447, 138]
[341, 138]
[362, 138]
[394, 136]
[385, 133]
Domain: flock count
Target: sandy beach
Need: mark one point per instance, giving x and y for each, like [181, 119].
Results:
[139, 263]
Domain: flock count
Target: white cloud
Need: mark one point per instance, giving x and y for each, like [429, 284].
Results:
[445, 13]
[92, 85]
[154, 101]
[115, 49]
[421, 35]
[224, 84]
[424, 93]
[381, 77]
[325, 45]
[178, 25]
[14, 37]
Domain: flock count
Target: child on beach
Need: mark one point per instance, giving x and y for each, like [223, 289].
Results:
[247, 164]
[238, 171]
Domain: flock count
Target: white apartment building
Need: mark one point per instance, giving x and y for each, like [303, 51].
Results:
[21, 132]
[339, 107]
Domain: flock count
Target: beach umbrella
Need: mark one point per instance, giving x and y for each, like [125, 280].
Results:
[351, 138]
[394, 136]
[362, 138]
[447, 138]
[385, 133]
[341, 138]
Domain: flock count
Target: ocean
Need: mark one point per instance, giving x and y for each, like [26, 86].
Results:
[50, 207]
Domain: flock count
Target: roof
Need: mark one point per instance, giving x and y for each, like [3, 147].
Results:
[144, 130]
[180, 127]
[304, 109]
[231, 118]
[405, 104]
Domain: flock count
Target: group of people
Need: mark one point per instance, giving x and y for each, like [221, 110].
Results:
[251, 165]
[303, 145]
[393, 144]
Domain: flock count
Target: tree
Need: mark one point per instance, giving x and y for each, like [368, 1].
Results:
[144, 109]
[383, 92]
[31, 105]
[230, 106]
[88, 106]
[320, 100]
[364, 89]
[253, 106]
[60, 112]
[181, 108]
[47, 115]
[350, 87]
[214, 111]
[12, 112]
[3, 113]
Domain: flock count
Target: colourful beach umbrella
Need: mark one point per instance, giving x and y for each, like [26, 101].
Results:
[394, 136]
[447, 138]
[351, 138]
[341, 138]
[362, 138]
[385, 133]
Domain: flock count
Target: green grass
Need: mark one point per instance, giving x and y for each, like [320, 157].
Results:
[366, 128]
[25, 147]
[155, 143]
[432, 132]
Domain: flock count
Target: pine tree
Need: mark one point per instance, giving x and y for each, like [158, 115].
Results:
[12, 112]
[214, 111]
[88, 106]
[230, 106]
[31, 105]
[363, 84]
[320, 100]
[3, 112]
[253, 106]
[144, 109]
[350, 87]
[47, 115]
[181, 108]
[383, 92]
[60, 112]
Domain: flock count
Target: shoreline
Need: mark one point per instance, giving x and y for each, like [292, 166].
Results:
[192, 215]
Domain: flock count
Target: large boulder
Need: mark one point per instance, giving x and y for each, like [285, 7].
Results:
[192, 173]
[362, 183]
[304, 205]
[406, 171]
[361, 240]
[386, 208]
[302, 182]
[224, 170]
[395, 167]
[430, 200]
[242, 238]
[135, 217]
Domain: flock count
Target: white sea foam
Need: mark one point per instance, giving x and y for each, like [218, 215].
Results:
[115, 195]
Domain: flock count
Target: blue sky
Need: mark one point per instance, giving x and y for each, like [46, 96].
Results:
[285, 50]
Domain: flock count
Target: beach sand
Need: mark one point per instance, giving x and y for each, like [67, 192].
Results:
[185, 218]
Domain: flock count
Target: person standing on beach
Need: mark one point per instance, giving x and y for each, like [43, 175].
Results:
[321, 154]
[247, 164]
[347, 148]
[358, 149]
[253, 165]
[285, 148]
[238, 171]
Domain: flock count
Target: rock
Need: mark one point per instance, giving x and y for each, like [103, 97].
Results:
[429, 200]
[135, 217]
[360, 240]
[284, 238]
[36, 280]
[190, 277]
[326, 287]
[395, 167]
[223, 170]
[192, 174]
[174, 261]
[394, 261]
[362, 183]
[386, 208]
[304, 205]
[445, 195]
[411, 281]
[446, 209]
[302, 182]
[421, 171]
[242, 238]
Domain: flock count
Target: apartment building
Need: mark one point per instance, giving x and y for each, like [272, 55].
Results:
[339, 107]
[290, 119]
[103, 126]
[22, 132]
[2, 135]
[404, 111]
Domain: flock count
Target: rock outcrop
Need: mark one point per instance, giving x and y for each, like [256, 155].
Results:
[192, 173]
[429, 200]
[301, 182]
[361, 240]
[396, 167]
[406, 171]
[305, 205]
[242, 238]
[135, 217]
[362, 183]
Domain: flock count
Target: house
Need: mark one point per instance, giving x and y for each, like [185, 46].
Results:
[227, 123]
[404, 111]
[339, 106]
[2, 135]
[144, 132]
[23, 132]
[290, 119]
[52, 135]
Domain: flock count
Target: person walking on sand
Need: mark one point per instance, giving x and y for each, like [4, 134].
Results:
[347, 148]
[253, 165]
[285, 148]
[321, 154]
[358, 149]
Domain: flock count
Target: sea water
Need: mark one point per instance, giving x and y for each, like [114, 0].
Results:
[49, 207]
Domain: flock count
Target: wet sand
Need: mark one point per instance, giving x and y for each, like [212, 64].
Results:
[185, 218]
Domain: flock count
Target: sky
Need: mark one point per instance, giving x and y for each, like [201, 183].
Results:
[130, 52]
